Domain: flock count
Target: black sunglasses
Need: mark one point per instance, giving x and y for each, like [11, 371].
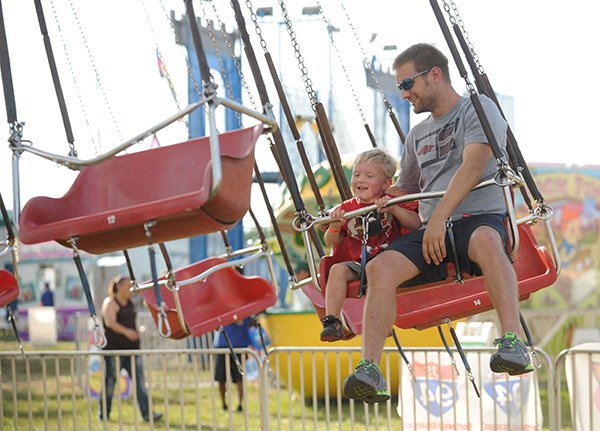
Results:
[407, 83]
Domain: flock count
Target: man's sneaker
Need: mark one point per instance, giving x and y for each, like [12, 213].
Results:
[332, 329]
[366, 384]
[512, 356]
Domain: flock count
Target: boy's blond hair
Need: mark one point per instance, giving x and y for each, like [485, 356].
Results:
[377, 155]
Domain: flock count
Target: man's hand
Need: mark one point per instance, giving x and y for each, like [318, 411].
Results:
[434, 241]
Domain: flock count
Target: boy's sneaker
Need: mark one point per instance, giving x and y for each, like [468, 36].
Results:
[366, 384]
[512, 356]
[332, 329]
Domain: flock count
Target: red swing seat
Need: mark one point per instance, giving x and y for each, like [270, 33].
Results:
[428, 305]
[108, 204]
[9, 288]
[222, 298]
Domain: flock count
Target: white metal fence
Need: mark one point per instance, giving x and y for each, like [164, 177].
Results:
[300, 389]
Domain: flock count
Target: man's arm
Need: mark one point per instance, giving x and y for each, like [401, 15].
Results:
[475, 158]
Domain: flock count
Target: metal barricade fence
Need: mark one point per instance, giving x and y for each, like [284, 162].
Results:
[580, 366]
[293, 388]
[43, 391]
[436, 395]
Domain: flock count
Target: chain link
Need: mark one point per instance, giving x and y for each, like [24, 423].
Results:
[257, 28]
[195, 84]
[93, 63]
[342, 65]
[82, 105]
[213, 41]
[455, 18]
[366, 61]
[452, 19]
[236, 61]
[312, 95]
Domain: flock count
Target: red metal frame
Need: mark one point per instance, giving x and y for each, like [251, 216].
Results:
[9, 288]
[222, 298]
[427, 305]
[108, 204]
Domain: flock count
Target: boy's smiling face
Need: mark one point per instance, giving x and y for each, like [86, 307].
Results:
[369, 181]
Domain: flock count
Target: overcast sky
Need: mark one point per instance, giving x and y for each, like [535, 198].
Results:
[542, 53]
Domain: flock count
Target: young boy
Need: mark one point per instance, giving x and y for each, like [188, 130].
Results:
[371, 177]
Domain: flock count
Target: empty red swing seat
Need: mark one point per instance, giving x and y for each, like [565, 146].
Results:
[427, 305]
[9, 288]
[222, 298]
[108, 204]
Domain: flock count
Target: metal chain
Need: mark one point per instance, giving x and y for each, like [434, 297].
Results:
[455, 18]
[343, 66]
[236, 61]
[82, 105]
[257, 27]
[366, 60]
[163, 64]
[213, 42]
[195, 84]
[93, 63]
[452, 19]
[312, 95]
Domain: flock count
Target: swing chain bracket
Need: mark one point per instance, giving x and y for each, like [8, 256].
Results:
[303, 221]
[542, 211]
[164, 327]
[16, 134]
[98, 334]
[147, 226]
[505, 175]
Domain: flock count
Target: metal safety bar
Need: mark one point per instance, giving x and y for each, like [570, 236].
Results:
[75, 163]
[238, 262]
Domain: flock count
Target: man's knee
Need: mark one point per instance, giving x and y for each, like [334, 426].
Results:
[388, 268]
[483, 242]
[378, 266]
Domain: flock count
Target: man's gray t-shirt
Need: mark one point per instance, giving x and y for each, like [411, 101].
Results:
[433, 152]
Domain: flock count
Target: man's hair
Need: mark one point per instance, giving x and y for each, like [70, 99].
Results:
[425, 56]
[377, 155]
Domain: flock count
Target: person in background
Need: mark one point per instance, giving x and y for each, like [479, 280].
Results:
[239, 336]
[47, 299]
[118, 318]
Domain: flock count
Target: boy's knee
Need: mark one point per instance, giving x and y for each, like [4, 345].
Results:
[338, 270]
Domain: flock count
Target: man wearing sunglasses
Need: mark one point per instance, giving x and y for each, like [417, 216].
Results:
[447, 151]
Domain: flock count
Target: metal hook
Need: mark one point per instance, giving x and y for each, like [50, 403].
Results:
[164, 327]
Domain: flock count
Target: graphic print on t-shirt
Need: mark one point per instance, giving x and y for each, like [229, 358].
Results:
[444, 143]
[375, 242]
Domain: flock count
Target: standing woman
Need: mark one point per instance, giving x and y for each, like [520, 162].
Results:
[118, 318]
